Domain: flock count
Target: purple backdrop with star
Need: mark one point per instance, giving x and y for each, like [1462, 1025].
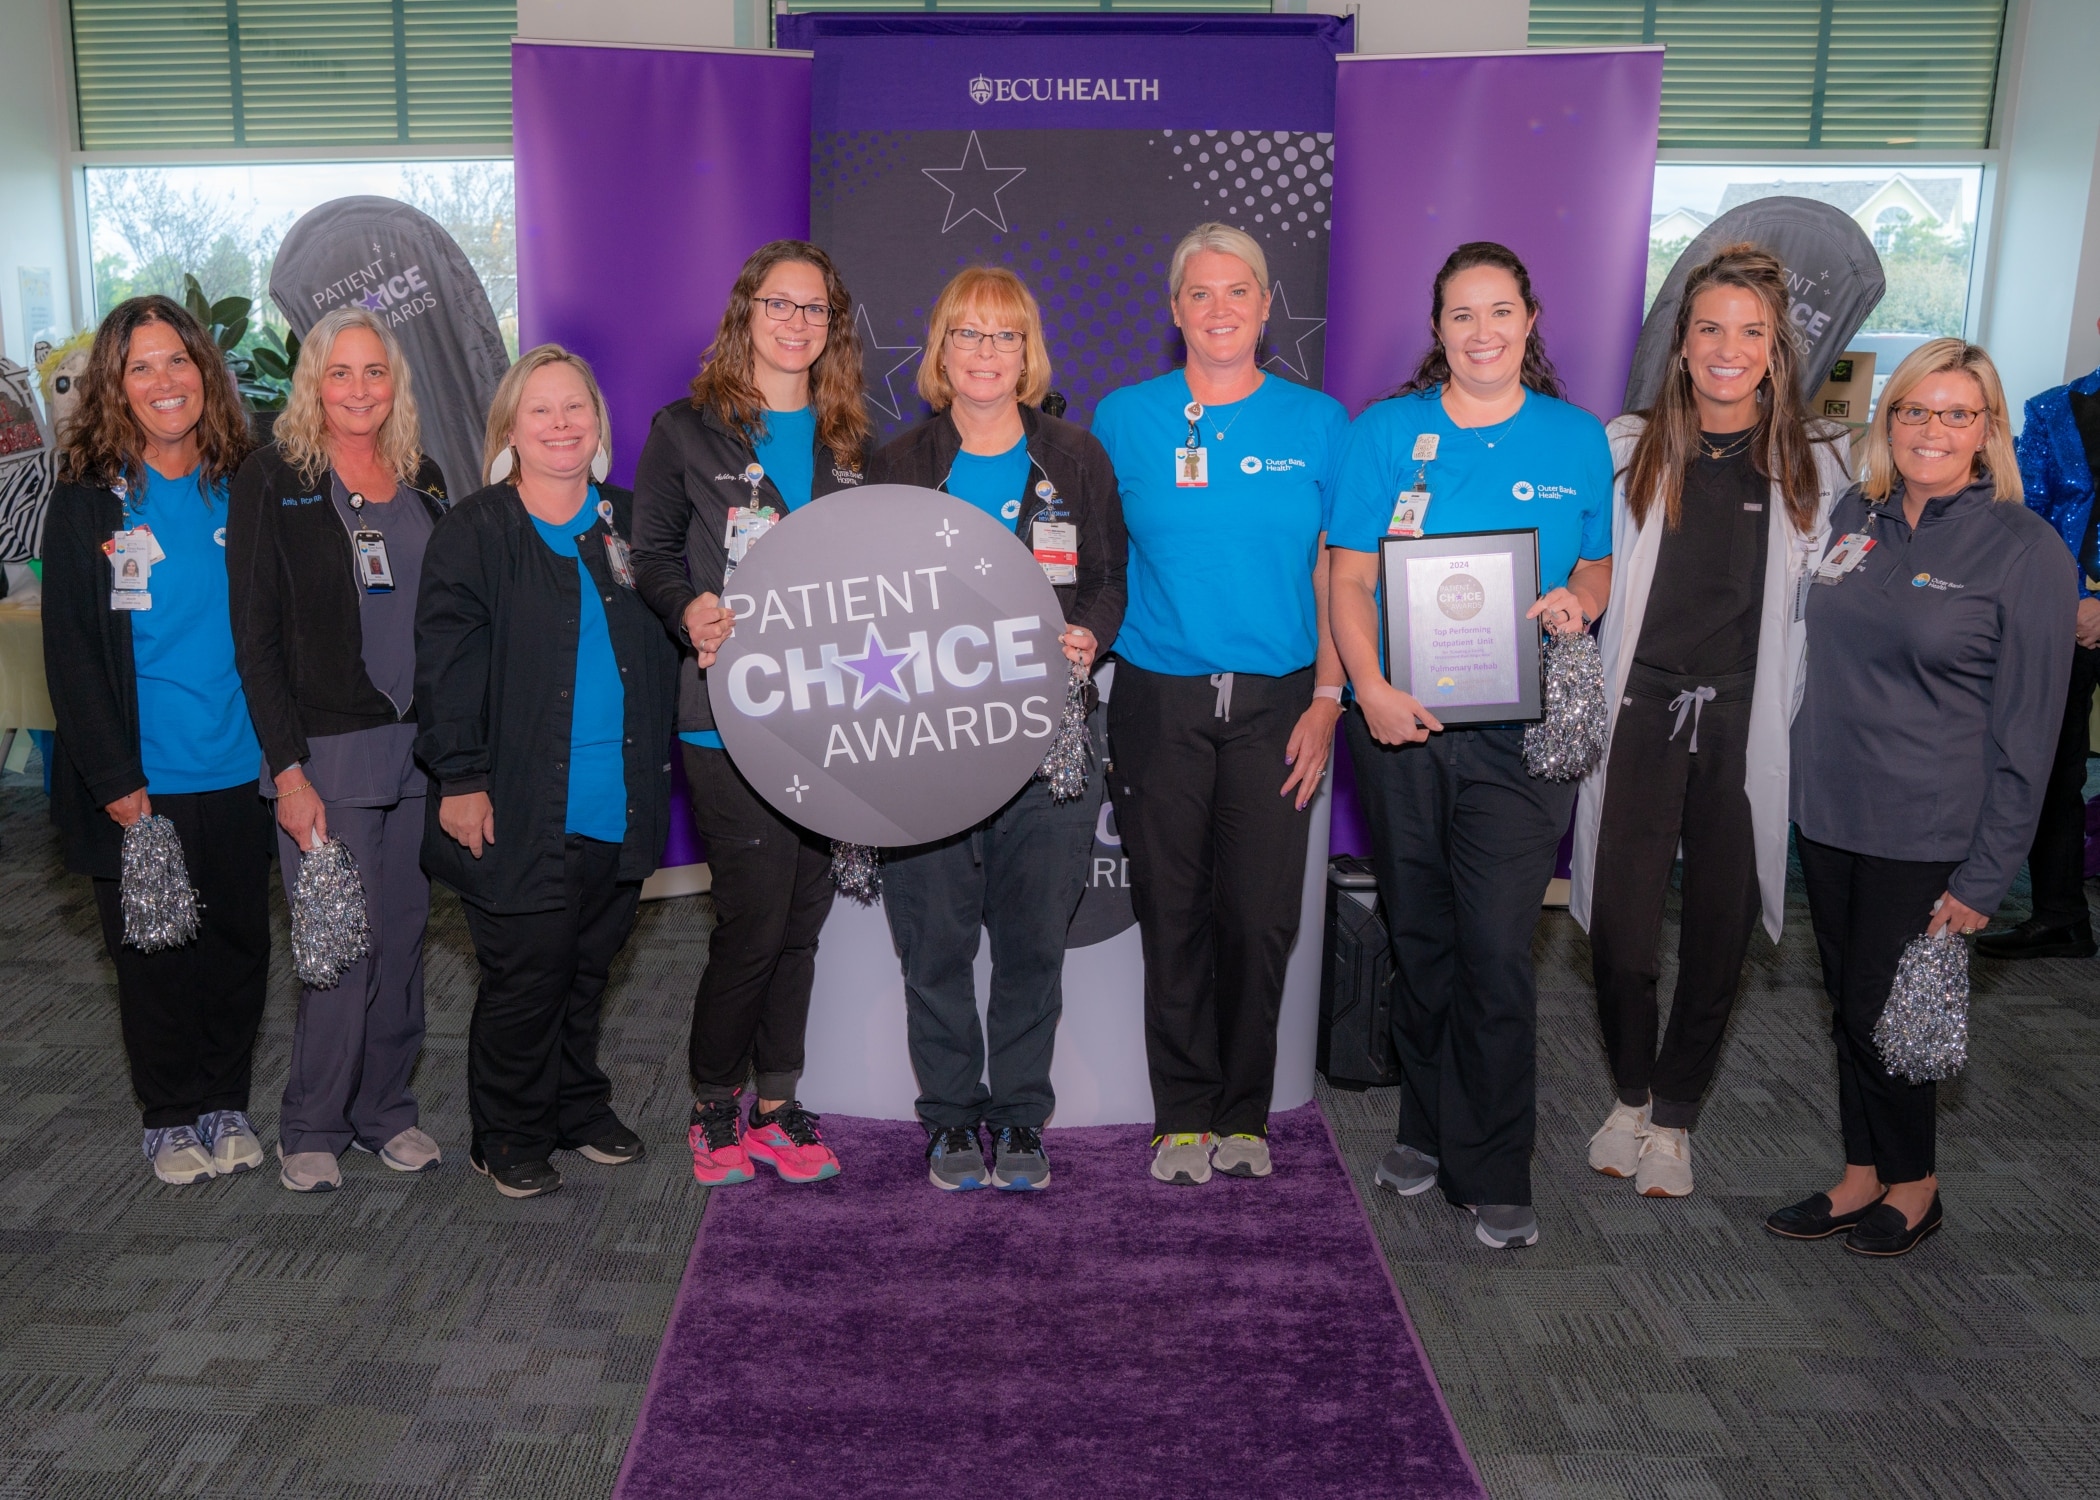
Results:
[1076, 156]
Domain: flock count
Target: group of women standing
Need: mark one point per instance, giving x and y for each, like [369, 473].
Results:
[483, 691]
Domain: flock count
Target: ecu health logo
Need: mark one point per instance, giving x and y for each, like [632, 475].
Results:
[981, 89]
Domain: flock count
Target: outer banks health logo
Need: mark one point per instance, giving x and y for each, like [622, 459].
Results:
[985, 90]
[894, 676]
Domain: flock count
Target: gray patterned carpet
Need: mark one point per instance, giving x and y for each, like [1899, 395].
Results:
[420, 1338]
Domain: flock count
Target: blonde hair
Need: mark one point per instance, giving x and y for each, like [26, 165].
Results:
[1224, 240]
[998, 296]
[302, 432]
[503, 411]
[1876, 449]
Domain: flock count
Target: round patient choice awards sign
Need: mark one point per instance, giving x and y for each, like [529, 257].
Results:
[894, 676]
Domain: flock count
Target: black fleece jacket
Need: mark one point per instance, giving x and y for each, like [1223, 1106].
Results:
[689, 476]
[1076, 464]
[297, 636]
[496, 641]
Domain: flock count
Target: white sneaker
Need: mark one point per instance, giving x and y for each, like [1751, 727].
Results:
[231, 1140]
[1665, 1168]
[1183, 1159]
[1615, 1150]
[179, 1158]
[411, 1151]
[1242, 1156]
[308, 1171]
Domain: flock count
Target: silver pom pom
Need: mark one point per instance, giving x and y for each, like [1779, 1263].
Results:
[856, 869]
[160, 904]
[329, 932]
[1071, 755]
[1564, 745]
[1923, 1032]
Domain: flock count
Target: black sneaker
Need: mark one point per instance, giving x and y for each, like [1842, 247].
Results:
[954, 1158]
[615, 1147]
[2035, 938]
[1019, 1163]
[519, 1179]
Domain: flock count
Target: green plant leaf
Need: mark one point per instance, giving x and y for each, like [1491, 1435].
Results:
[231, 335]
[270, 362]
[230, 310]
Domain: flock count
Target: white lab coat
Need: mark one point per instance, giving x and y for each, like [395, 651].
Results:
[1782, 649]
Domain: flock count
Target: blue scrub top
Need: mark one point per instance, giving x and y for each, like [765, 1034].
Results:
[788, 453]
[598, 717]
[1220, 577]
[194, 733]
[994, 483]
[1548, 467]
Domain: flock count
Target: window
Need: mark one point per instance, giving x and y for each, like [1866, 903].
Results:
[1886, 223]
[150, 225]
[1744, 74]
[158, 74]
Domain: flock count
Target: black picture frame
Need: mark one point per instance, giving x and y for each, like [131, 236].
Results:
[1528, 706]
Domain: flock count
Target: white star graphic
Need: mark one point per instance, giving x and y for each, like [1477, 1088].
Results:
[947, 533]
[974, 189]
[1302, 366]
[797, 788]
[983, 567]
[875, 371]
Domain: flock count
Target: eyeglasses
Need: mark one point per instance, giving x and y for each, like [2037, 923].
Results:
[1918, 416]
[780, 309]
[1005, 340]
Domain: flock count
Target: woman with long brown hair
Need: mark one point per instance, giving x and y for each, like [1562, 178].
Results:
[152, 720]
[1721, 503]
[326, 545]
[774, 420]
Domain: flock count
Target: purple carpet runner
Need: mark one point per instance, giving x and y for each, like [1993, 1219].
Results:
[872, 1337]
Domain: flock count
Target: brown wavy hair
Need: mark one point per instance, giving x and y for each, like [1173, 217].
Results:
[1780, 445]
[103, 443]
[1435, 368]
[724, 385]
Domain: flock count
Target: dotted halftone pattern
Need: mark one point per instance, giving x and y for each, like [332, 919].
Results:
[1274, 186]
[852, 160]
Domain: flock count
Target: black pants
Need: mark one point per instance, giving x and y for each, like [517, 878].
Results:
[772, 892]
[1018, 875]
[533, 1080]
[1463, 841]
[2056, 863]
[190, 1014]
[1866, 911]
[1657, 792]
[1217, 874]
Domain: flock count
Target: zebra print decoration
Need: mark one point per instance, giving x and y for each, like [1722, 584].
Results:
[28, 467]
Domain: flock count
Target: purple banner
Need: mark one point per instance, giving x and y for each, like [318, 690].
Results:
[644, 179]
[1552, 153]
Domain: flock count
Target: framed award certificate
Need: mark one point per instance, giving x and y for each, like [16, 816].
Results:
[1455, 634]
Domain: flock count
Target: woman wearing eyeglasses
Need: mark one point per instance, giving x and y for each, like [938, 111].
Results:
[1019, 873]
[1939, 638]
[774, 420]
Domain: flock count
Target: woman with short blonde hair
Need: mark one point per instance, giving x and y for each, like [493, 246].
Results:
[499, 460]
[1939, 639]
[325, 546]
[1020, 873]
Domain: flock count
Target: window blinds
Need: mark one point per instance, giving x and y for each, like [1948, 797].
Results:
[171, 74]
[1836, 74]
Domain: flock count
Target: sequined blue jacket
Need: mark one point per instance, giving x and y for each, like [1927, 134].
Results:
[2053, 468]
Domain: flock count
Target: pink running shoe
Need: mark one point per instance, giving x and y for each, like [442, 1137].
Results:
[719, 1158]
[787, 1140]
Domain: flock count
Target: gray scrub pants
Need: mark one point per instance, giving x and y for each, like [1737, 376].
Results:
[356, 1044]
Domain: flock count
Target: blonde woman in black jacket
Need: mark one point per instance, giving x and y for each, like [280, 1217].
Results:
[325, 545]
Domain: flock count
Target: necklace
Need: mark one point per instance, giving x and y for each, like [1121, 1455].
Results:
[1717, 453]
[1195, 412]
[1500, 429]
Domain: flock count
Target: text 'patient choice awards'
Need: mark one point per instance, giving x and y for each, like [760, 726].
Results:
[895, 674]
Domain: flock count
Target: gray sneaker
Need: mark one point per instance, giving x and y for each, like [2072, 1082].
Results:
[230, 1139]
[308, 1171]
[411, 1151]
[1505, 1226]
[179, 1158]
[1406, 1171]
[1182, 1159]
[1242, 1156]
[954, 1158]
[1019, 1163]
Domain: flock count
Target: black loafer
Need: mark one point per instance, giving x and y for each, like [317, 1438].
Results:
[1885, 1231]
[518, 1179]
[2036, 939]
[1811, 1219]
[615, 1148]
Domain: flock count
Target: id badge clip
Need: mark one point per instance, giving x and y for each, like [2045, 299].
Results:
[1056, 545]
[132, 555]
[374, 570]
[1849, 553]
[620, 558]
[1191, 461]
[1410, 510]
[747, 523]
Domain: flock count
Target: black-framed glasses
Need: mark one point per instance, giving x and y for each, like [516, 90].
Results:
[1913, 415]
[968, 339]
[780, 309]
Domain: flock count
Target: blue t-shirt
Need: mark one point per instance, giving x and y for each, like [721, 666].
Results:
[1220, 577]
[598, 717]
[194, 734]
[993, 483]
[788, 453]
[1548, 467]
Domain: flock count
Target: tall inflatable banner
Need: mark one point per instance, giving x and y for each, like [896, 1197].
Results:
[398, 262]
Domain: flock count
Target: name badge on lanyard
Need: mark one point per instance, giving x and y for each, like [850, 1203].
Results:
[618, 555]
[132, 554]
[374, 570]
[1056, 543]
[1849, 553]
[1192, 462]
